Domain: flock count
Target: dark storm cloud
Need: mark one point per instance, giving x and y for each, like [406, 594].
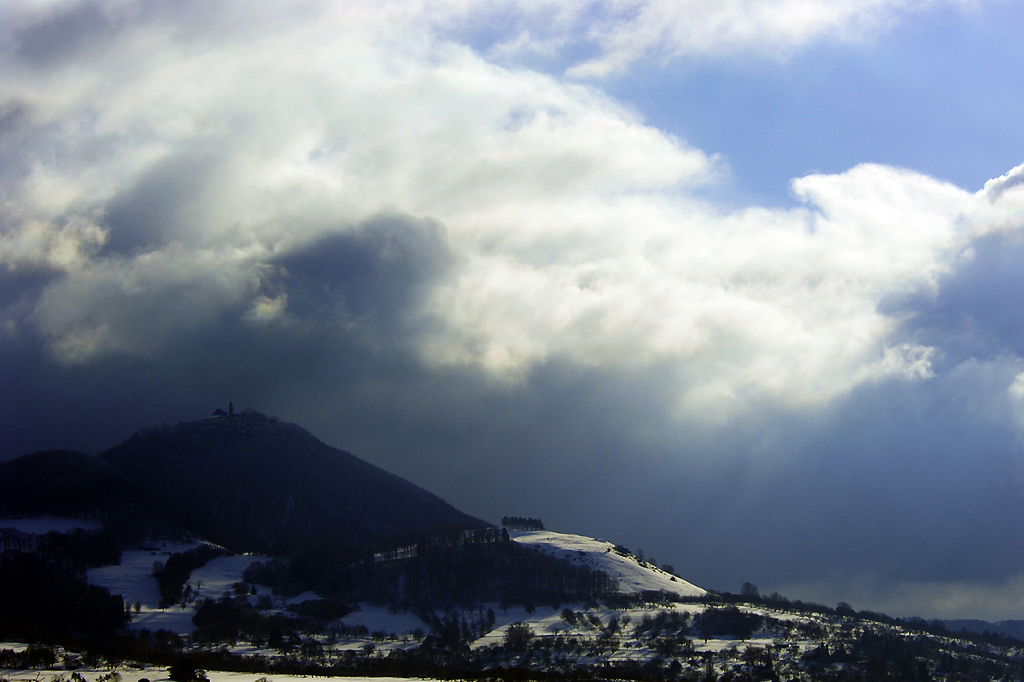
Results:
[18, 288]
[899, 482]
[14, 122]
[977, 310]
[887, 481]
[895, 481]
[357, 296]
[575, 337]
[382, 270]
[70, 29]
[164, 203]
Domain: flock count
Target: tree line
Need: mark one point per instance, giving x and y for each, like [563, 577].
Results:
[452, 567]
[521, 523]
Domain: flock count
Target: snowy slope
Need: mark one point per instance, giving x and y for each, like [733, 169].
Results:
[159, 674]
[133, 580]
[633, 575]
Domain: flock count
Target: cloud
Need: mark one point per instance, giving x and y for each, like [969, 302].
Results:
[599, 38]
[376, 273]
[993, 602]
[135, 306]
[195, 171]
[62, 32]
[972, 313]
[735, 297]
[504, 284]
[995, 188]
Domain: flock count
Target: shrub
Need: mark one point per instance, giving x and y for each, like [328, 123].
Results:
[518, 636]
[185, 670]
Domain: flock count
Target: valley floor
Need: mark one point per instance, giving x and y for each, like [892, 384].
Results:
[656, 628]
[160, 675]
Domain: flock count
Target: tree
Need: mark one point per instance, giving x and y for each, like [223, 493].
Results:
[522, 523]
[518, 636]
[185, 670]
[750, 592]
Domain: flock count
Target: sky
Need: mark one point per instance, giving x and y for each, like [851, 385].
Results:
[737, 284]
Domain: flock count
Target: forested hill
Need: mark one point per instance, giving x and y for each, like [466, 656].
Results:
[246, 481]
[65, 483]
[252, 482]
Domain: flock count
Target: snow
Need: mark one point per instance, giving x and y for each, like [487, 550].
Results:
[633, 575]
[381, 619]
[218, 575]
[308, 595]
[547, 622]
[159, 674]
[544, 620]
[133, 580]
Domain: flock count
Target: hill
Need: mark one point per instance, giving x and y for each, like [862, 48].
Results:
[363, 573]
[1009, 628]
[69, 484]
[632, 575]
[247, 482]
[253, 483]
[640, 634]
[58, 483]
[469, 572]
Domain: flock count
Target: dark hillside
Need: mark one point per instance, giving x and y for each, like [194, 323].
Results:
[1010, 628]
[251, 482]
[58, 482]
[72, 484]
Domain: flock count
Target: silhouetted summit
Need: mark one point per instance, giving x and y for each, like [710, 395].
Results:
[246, 481]
[65, 483]
[252, 482]
[59, 483]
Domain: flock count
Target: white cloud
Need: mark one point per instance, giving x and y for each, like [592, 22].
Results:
[267, 309]
[238, 136]
[64, 246]
[617, 33]
[752, 304]
[698, 27]
[135, 306]
[999, 205]
[1015, 394]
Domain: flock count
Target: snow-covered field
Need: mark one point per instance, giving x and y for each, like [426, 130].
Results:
[133, 580]
[630, 636]
[160, 675]
[633, 575]
[380, 619]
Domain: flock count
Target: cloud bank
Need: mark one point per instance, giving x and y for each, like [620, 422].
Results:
[424, 231]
